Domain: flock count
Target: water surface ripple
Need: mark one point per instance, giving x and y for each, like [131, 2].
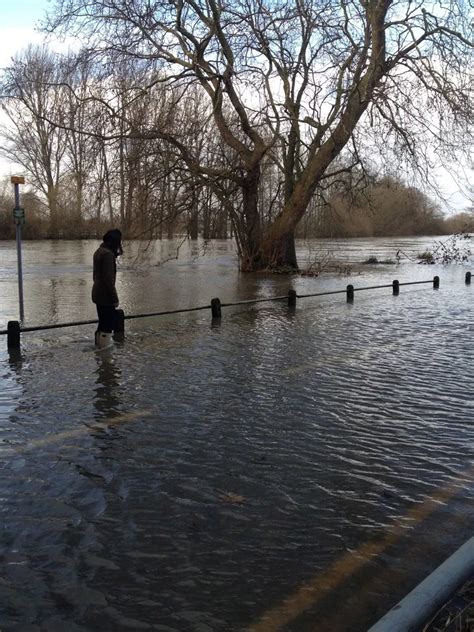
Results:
[196, 476]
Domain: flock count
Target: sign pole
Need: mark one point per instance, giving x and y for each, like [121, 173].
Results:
[19, 217]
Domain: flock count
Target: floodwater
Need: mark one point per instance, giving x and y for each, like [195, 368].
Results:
[282, 470]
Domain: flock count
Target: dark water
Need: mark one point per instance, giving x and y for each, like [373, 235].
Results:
[197, 476]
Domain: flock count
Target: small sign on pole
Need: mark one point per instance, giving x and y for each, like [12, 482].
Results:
[17, 179]
[19, 215]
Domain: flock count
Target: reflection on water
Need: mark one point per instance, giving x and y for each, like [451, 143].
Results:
[107, 391]
[200, 473]
[10, 388]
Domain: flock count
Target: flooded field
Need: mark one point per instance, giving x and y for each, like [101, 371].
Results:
[284, 470]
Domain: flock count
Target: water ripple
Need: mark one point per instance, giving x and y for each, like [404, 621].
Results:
[196, 475]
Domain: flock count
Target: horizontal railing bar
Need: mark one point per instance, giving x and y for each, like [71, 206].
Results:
[148, 315]
[58, 325]
[415, 282]
[359, 289]
[256, 300]
[171, 311]
[322, 293]
[93, 322]
[376, 287]
[4, 332]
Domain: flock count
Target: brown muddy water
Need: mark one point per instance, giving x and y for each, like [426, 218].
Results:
[284, 470]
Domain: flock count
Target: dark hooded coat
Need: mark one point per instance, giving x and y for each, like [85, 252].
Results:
[104, 274]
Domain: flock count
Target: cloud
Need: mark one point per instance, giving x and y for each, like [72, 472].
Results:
[14, 39]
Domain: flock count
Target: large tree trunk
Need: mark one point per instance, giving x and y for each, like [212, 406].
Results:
[279, 252]
[277, 248]
[250, 225]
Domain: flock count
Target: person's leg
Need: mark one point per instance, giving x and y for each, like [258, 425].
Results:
[103, 336]
[106, 314]
[97, 331]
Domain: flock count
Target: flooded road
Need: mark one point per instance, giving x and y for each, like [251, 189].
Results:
[286, 470]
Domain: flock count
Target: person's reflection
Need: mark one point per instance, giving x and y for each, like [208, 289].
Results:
[107, 392]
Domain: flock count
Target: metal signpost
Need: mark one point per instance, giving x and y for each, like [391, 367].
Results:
[19, 218]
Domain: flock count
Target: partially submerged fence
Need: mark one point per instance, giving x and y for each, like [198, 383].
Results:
[14, 328]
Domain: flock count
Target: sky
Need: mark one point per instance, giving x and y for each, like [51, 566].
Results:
[19, 20]
[17, 25]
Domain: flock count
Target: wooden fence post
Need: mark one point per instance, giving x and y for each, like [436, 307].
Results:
[350, 293]
[468, 278]
[216, 308]
[435, 282]
[292, 298]
[13, 334]
[396, 287]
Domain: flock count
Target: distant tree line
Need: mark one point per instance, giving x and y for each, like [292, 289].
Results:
[386, 207]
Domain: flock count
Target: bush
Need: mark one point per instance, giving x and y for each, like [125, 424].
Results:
[426, 257]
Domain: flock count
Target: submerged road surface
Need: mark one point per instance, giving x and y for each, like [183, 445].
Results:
[282, 471]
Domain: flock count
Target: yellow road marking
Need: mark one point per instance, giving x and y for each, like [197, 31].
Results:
[313, 591]
[69, 434]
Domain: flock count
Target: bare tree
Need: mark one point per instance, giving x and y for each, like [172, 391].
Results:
[299, 80]
[32, 139]
[82, 152]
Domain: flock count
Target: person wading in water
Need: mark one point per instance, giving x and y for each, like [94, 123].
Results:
[104, 294]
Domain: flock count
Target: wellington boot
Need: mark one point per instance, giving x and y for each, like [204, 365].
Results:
[104, 341]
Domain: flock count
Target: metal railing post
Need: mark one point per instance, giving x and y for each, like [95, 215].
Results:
[216, 308]
[13, 334]
[292, 298]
